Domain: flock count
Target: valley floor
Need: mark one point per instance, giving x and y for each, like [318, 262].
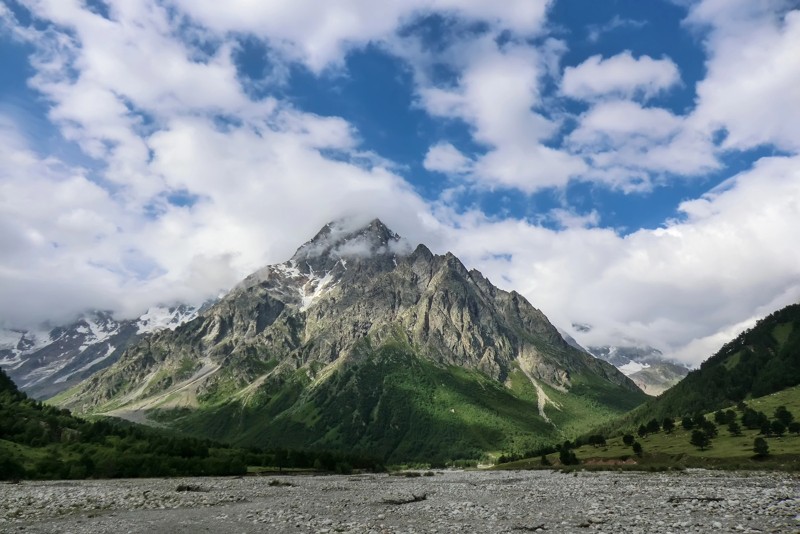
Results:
[450, 501]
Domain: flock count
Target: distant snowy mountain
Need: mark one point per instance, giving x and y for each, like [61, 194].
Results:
[46, 362]
[643, 364]
[646, 366]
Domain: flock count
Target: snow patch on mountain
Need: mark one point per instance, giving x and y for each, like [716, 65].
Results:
[160, 318]
[632, 367]
[314, 288]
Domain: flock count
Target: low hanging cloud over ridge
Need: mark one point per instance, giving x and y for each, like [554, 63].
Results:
[198, 182]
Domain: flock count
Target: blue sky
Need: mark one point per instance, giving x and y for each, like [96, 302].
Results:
[624, 164]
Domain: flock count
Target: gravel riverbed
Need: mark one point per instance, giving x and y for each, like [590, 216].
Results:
[448, 501]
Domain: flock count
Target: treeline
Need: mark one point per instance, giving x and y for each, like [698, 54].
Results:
[566, 455]
[39, 441]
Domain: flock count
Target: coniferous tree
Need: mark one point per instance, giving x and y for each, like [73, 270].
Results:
[653, 426]
[700, 439]
[783, 415]
[668, 424]
[709, 428]
[567, 457]
[760, 447]
[734, 429]
[777, 428]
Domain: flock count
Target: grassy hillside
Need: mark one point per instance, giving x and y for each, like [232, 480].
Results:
[401, 407]
[661, 449]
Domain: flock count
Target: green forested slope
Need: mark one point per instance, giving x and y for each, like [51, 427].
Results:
[41, 441]
[760, 361]
[398, 406]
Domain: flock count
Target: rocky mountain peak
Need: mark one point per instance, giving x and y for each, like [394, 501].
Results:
[343, 239]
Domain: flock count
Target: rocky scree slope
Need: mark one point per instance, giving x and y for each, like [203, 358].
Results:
[361, 341]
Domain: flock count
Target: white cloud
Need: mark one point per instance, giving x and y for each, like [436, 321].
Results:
[265, 175]
[320, 33]
[751, 89]
[595, 32]
[108, 237]
[514, 132]
[627, 143]
[615, 123]
[685, 288]
[568, 219]
[619, 76]
[445, 158]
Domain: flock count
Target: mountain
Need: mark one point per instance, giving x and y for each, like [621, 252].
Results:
[362, 342]
[762, 360]
[645, 365]
[47, 362]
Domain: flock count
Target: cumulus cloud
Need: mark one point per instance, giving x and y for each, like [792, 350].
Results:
[320, 34]
[684, 288]
[621, 76]
[192, 182]
[513, 133]
[627, 144]
[447, 159]
[750, 92]
[111, 237]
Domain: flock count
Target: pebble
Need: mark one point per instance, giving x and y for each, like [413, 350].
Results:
[456, 501]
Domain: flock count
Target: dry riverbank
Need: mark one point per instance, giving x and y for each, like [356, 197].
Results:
[451, 501]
